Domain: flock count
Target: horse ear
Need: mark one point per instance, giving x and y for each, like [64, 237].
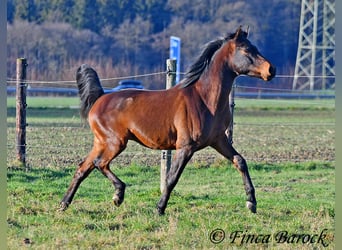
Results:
[238, 32]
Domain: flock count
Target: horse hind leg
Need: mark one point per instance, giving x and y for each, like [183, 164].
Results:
[102, 164]
[99, 158]
[82, 172]
[119, 194]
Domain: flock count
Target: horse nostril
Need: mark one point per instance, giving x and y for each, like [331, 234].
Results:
[272, 71]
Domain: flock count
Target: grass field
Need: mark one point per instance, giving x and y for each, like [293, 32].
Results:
[289, 146]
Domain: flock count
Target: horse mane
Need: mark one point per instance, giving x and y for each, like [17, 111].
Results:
[195, 71]
[202, 62]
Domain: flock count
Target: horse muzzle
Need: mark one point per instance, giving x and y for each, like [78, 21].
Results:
[272, 72]
[269, 72]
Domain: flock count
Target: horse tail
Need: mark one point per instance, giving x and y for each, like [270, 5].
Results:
[89, 88]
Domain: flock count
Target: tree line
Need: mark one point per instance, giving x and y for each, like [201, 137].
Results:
[126, 37]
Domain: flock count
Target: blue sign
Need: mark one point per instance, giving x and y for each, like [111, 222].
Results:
[175, 53]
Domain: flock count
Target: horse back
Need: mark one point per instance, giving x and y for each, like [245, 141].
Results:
[165, 119]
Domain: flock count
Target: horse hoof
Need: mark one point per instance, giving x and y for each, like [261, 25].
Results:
[251, 206]
[119, 196]
[63, 206]
[117, 201]
[161, 212]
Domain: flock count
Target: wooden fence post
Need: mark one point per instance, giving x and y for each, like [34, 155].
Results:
[165, 163]
[229, 131]
[21, 110]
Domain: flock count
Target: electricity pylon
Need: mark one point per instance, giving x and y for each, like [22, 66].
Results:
[316, 46]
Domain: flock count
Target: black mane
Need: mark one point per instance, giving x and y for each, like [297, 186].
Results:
[195, 71]
[202, 62]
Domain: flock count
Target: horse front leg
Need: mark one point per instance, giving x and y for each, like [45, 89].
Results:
[179, 161]
[240, 163]
[225, 148]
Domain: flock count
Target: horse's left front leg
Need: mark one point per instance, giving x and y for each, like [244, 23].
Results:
[179, 161]
[224, 147]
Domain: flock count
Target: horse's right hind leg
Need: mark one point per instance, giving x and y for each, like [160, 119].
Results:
[102, 163]
[99, 157]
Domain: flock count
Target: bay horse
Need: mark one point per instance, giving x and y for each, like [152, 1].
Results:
[188, 117]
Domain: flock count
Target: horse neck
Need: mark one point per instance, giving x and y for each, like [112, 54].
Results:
[215, 84]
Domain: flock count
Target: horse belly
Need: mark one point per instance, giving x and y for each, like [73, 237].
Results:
[148, 118]
[153, 137]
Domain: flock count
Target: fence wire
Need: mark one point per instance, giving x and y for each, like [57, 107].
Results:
[259, 141]
[270, 142]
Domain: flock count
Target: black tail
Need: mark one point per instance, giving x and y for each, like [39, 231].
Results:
[89, 88]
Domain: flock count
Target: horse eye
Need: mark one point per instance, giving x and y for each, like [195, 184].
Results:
[251, 60]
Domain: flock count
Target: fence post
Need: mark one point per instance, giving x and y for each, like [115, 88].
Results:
[229, 131]
[21, 110]
[165, 162]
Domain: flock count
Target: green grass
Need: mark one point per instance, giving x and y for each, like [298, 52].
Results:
[284, 104]
[297, 198]
[46, 102]
[290, 152]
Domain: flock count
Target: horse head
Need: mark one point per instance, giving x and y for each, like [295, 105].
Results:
[245, 59]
